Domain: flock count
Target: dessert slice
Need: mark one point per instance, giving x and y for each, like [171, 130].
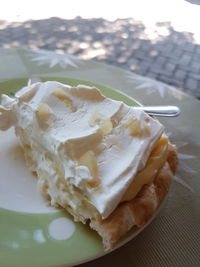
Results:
[106, 163]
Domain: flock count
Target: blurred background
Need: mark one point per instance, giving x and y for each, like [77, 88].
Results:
[158, 39]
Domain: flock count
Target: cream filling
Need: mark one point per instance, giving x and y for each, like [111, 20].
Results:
[86, 149]
[155, 162]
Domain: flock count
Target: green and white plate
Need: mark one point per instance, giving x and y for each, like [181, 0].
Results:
[33, 234]
[29, 233]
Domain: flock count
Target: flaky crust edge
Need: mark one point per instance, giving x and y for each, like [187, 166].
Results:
[139, 210]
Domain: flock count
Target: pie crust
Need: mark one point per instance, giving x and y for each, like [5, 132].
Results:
[139, 210]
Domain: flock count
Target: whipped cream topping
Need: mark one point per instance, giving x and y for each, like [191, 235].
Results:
[87, 148]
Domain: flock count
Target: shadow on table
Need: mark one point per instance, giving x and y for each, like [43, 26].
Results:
[195, 2]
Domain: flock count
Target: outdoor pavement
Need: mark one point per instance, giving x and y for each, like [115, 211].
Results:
[160, 52]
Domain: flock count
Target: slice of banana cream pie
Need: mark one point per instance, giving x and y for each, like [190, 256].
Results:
[103, 161]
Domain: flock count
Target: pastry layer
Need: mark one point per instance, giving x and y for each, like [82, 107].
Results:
[85, 148]
[139, 210]
[101, 160]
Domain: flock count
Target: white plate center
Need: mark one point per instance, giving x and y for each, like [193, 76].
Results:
[18, 186]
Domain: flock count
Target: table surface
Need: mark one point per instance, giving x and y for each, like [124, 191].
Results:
[168, 51]
[173, 238]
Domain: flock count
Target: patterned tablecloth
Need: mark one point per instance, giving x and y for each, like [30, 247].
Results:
[173, 238]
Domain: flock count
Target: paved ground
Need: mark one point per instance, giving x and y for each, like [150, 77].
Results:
[160, 52]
